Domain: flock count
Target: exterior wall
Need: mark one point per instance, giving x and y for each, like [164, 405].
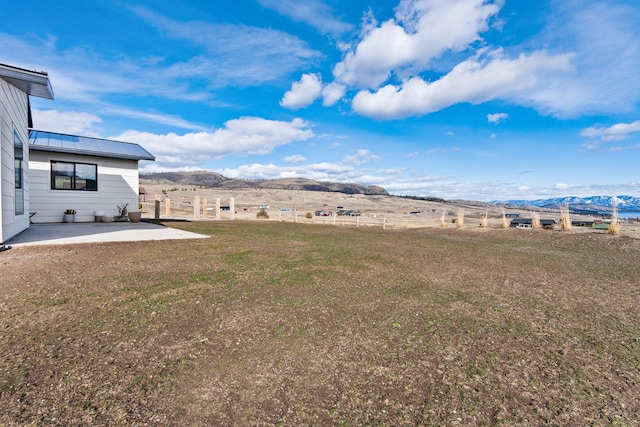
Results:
[117, 183]
[13, 116]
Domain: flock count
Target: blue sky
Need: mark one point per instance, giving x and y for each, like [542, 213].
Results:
[470, 99]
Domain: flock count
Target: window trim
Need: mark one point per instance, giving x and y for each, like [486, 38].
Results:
[73, 177]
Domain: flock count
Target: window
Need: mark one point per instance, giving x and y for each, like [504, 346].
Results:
[18, 159]
[74, 176]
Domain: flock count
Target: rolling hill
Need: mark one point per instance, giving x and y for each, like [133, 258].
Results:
[215, 180]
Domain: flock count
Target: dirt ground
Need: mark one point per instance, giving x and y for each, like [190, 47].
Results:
[270, 323]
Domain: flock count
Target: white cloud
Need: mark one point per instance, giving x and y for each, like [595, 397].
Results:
[497, 117]
[472, 81]
[362, 156]
[617, 132]
[590, 48]
[312, 12]
[332, 93]
[421, 31]
[295, 159]
[317, 171]
[68, 122]
[303, 93]
[239, 137]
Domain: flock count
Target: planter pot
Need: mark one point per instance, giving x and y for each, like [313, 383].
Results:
[135, 216]
[69, 218]
[98, 215]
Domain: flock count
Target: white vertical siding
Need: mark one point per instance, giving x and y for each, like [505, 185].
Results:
[117, 183]
[13, 116]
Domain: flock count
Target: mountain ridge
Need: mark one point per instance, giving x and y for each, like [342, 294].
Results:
[215, 180]
[624, 203]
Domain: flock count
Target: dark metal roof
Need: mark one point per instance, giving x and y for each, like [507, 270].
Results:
[61, 143]
[34, 83]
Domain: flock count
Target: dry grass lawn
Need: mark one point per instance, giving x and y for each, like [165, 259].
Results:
[271, 323]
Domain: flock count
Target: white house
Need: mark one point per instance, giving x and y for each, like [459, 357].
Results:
[83, 174]
[16, 85]
[42, 173]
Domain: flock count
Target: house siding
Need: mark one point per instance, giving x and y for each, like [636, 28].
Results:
[118, 182]
[13, 116]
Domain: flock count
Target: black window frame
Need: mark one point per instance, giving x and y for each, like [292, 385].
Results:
[18, 173]
[74, 179]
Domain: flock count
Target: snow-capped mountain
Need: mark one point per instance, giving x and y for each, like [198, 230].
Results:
[624, 203]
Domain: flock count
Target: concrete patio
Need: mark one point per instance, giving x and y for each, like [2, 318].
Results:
[89, 232]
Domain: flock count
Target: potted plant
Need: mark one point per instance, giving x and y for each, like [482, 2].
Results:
[136, 215]
[69, 215]
[122, 213]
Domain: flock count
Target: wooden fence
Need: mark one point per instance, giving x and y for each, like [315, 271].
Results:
[202, 209]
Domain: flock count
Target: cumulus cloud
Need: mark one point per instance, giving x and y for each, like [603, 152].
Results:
[617, 132]
[295, 159]
[238, 137]
[332, 93]
[472, 81]
[69, 122]
[421, 31]
[497, 117]
[584, 41]
[303, 93]
[362, 156]
[317, 171]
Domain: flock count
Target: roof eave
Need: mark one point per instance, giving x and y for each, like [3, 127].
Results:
[89, 153]
[33, 83]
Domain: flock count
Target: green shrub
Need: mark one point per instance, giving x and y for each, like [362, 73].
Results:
[262, 214]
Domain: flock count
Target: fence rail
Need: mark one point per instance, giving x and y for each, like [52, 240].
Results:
[202, 209]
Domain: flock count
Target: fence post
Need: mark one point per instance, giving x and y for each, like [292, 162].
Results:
[196, 207]
[357, 221]
[156, 207]
[204, 208]
[167, 205]
[218, 208]
[232, 207]
[384, 223]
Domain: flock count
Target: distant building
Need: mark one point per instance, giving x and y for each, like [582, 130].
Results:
[528, 223]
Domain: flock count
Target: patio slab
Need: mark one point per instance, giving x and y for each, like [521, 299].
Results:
[70, 233]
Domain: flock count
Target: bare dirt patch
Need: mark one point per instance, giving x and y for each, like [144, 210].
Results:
[271, 323]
